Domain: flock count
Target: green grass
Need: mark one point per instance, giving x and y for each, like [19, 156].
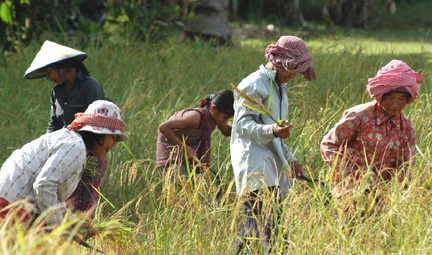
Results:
[152, 81]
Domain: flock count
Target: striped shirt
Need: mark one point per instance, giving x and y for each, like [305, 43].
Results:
[45, 172]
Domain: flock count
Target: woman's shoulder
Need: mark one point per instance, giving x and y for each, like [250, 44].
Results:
[65, 135]
[90, 81]
[86, 78]
[64, 140]
[360, 113]
[90, 86]
[191, 112]
[361, 109]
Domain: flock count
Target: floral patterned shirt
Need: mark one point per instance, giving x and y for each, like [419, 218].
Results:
[366, 136]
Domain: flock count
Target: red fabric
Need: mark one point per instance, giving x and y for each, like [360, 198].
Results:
[396, 74]
[85, 197]
[96, 120]
[25, 216]
[365, 137]
[290, 53]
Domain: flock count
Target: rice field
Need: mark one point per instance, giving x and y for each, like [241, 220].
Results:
[141, 214]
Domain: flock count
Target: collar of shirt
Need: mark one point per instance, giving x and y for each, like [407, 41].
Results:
[382, 118]
[271, 74]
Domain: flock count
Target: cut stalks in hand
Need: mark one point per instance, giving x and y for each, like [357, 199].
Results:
[255, 105]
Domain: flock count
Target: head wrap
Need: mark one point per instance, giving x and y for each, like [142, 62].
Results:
[395, 75]
[101, 117]
[96, 120]
[290, 53]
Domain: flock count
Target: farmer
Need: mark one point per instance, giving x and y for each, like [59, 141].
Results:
[261, 160]
[74, 91]
[44, 173]
[189, 130]
[375, 136]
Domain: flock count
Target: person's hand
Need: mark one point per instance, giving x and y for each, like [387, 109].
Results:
[191, 154]
[297, 169]
[283, 130]
[91, 232]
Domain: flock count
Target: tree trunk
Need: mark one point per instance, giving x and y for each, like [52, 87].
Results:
[292, 12]
[211, 22]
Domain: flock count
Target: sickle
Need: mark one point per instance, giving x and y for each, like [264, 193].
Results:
[80, 241]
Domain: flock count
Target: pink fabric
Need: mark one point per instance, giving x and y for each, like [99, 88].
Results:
[290, 53]
[85, 197]
[365, 137]
[396, 74]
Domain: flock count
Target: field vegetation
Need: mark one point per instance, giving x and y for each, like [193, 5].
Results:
[140, 214]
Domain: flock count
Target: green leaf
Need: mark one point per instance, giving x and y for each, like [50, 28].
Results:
[6, 13]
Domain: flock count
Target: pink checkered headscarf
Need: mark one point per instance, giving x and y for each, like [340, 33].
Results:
[290, 53]
[396, 74]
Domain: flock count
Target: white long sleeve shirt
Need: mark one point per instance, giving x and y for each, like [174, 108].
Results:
[45, 172]
[259, 158]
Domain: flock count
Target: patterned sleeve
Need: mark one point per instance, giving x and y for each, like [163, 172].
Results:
[58, 174]
[333, 144]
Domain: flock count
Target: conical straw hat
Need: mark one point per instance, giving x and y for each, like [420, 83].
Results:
[51, 53]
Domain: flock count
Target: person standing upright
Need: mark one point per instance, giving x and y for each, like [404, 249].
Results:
[261, 160]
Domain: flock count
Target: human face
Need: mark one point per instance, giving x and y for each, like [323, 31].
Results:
[219, 117]
[394, 103]
[60, 76]
[284, 76]
[101, 149]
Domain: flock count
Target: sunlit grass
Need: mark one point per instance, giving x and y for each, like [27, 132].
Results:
[142, 215]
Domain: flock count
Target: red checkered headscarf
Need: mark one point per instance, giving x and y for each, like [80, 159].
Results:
[396, 74]
[290, 53]
[96, 120]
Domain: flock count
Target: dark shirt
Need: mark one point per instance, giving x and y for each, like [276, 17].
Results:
[84, 91]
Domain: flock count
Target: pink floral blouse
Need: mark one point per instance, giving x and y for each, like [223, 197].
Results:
[365, 137]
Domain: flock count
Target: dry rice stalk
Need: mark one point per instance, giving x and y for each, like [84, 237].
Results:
[254, 104]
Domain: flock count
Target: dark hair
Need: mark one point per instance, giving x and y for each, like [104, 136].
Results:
[223, 100]
[69, 64]
[398, 90]
[90, 139]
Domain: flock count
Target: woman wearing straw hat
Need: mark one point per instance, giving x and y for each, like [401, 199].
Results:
[75, 90]
[377, 135]
[42, 174]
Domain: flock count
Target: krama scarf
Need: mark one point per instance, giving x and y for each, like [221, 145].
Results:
[396, 74]
[290, 53]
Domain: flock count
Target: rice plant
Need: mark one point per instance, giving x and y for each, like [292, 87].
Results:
[139, 213]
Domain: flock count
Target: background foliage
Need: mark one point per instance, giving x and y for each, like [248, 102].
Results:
[154, 20]
[151, 80]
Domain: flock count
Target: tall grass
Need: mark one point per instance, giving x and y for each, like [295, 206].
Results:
[140, 214]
